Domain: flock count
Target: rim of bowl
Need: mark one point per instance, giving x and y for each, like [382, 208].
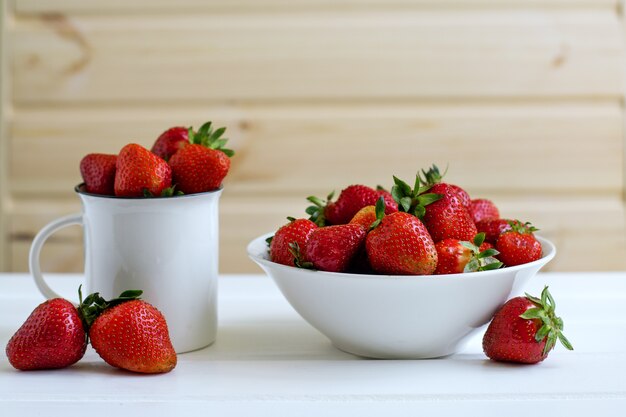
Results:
[548, 249]
[80, 189]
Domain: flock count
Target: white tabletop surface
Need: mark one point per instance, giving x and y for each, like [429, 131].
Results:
[268, 361]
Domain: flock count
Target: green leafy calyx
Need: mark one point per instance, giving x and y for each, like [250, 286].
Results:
[522, 228]
[298, 260]
[93, 305]
[552, 326]
[480, 261]
[380, 213]
[432, 176]
[167, 192]
[210, 138]
[316, 211]
[413, 200]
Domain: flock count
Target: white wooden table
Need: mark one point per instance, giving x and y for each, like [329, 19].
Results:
[268, 361]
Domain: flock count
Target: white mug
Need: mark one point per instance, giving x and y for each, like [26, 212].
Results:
[167, 247]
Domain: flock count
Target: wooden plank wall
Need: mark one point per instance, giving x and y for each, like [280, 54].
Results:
[523, 100]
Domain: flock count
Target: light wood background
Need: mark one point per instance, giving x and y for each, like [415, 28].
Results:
[524, 99]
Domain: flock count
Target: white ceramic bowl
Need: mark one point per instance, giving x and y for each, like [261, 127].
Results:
[397, 317]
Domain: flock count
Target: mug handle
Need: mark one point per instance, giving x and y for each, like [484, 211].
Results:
[38, 242]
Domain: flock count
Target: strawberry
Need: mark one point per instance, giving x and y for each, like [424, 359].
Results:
[140, 172]
[51, 337]
[483, 209]
[298, 231]
[170, 141]
[447, 217]
[350, 201]
[455, 256]
[333, 248]
[365, 217]
[98, 172]
[493, 228]
[399, 244]
[390, 204]
[518, 245]
[129, 333]
[433, 176]
[438, 205]
[413, 200]
[524, 330]
[203, 164]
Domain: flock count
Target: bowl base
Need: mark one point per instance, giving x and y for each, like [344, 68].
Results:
[389, 355]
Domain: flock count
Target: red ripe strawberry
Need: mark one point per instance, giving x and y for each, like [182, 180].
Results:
[401, 245]
[524, 330]
[140, 172]
[98, 172]
[518, 245]
[483, 209]
[296, 231]
[444, 217]
[493, 228]
[390, 204]
[456, 257]
[51, 337]
[350, 201]
[171, 141]
[433, 176]
[203, 164]
[447, 218]
[129, 333]
[333, 248]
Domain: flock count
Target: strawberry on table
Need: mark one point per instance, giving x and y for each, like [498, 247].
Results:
[456, 256]
[483, 209]
[129, 333]
[333, 248]
[140, 172]
[518, 245]
[524, 330]
[170, 141]
[51, 337]
[98, 172]
[296, 231]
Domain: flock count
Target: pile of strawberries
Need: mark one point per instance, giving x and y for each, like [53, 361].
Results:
[126, 332]
[432, 228]
[182, 161]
